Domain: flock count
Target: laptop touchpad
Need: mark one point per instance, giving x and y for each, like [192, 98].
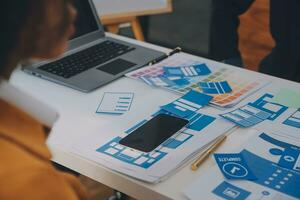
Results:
[117, 66]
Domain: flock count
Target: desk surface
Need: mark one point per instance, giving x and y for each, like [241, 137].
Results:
[77, 112]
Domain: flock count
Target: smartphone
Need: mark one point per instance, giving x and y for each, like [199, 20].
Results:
[154, 132]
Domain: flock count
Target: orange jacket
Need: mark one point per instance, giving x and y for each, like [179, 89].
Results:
[25, 169]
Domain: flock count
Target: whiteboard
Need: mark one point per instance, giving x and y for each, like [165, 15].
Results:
[113, 7]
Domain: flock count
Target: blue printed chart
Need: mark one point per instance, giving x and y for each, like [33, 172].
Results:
[272, 158]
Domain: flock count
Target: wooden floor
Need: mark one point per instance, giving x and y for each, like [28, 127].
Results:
[255, 38]
[97, 191]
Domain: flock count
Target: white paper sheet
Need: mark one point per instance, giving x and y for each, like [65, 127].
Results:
[206, 189]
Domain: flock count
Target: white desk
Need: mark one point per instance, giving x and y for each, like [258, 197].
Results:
[77, 111]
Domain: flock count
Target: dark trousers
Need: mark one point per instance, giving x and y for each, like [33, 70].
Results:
[284, 59]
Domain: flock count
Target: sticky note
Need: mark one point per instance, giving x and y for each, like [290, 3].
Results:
[287, 97]
[115, 103]
[188, 104]
[197, 98]
[162, 81]
[181, 81]
[233, 166]
[222, 87]
[159, 81]
[199, 121]
[187, 71]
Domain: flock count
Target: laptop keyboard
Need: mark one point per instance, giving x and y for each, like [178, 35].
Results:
[86, 59]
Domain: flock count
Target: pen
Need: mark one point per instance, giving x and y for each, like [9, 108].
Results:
[205, 155]
[176, 50]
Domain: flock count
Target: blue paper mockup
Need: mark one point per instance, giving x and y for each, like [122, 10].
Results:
[234, 166]
[162, 81]
[188, 104]
[187, 71]
[115, 103]
[222, 87]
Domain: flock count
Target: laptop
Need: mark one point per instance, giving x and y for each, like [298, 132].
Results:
[92, 59]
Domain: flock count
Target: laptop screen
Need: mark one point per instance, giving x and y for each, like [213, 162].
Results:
[85, 22]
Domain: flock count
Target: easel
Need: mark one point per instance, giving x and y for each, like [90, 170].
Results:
[113, 22]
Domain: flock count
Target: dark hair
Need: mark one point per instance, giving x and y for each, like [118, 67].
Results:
[19, 15]
[13, 16]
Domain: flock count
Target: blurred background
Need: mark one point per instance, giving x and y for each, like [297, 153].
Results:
[188, 25]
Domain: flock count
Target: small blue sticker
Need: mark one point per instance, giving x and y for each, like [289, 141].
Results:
[230, 192]
[187, 71]
[290, 159]
[181, 81]
[222, 87]
[234, 166]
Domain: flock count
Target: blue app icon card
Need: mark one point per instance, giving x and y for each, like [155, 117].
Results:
[234, 166]
[231, 192]
[188, 104]
[290, 159]
[159, 81]
[187, 71]
[222, 87]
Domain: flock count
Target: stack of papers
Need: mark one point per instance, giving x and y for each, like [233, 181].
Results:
[228, 86]
[104, 148]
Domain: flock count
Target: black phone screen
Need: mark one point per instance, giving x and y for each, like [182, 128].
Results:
[153, 133]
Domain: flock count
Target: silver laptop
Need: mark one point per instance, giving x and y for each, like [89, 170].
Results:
[92, 59]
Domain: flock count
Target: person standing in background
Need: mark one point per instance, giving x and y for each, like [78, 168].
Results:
[284, 59]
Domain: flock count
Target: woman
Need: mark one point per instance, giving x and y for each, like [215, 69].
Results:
[31, 29]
